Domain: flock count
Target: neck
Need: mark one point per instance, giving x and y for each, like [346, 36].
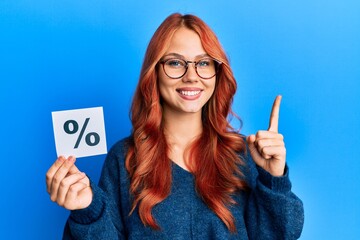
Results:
[180, 128]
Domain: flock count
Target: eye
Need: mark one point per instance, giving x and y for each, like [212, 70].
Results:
[205, 63]
[175, 63]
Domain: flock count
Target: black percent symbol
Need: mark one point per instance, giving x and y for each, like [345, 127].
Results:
[72, 127]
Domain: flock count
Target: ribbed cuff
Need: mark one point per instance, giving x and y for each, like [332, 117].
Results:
[277, 184]
[93, 211]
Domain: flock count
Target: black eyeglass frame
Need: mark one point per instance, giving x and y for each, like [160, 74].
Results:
[217, 66]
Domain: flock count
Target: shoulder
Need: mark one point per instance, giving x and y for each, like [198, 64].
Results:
[115, 158]
[120, 148]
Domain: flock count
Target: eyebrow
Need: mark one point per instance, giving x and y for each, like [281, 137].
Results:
[182, 57]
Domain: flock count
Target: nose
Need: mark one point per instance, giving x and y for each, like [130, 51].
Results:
[191, 75]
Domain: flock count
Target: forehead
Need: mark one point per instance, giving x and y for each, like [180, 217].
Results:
[187, 43]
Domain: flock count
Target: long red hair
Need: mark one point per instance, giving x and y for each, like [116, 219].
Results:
[213, 157]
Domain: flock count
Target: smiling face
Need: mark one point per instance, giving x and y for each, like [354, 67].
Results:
[189, 93]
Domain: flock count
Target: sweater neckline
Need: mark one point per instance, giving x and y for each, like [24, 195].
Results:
[180, 169]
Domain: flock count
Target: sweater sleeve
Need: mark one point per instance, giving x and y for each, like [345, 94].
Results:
[102, 219]
[273, 210]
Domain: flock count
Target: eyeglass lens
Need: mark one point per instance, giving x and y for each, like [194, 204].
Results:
[176, 68]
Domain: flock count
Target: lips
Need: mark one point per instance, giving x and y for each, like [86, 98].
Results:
[189, 93]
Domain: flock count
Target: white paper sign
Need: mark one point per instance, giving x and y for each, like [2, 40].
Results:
[79, 132]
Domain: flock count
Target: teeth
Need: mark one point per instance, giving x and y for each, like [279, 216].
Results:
[190, 93]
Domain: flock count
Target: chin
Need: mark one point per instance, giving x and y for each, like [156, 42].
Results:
[192, 110]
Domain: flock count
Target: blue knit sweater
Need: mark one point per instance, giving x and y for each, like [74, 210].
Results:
[269, 210]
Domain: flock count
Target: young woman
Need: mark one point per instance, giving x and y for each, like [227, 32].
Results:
[184, 173]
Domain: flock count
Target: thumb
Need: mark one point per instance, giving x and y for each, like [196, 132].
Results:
[256, 156]
[251, 143]
[251, 140]
[73, 169]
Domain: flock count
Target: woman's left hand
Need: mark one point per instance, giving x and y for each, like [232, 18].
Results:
[267, 148]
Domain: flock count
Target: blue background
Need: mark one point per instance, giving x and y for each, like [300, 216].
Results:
[61, 55]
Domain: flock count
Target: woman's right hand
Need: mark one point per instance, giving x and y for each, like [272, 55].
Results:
[67, 186]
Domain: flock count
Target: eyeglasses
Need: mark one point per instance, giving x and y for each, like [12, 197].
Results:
[205, 68]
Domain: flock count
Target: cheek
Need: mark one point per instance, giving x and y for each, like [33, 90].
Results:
[165, 87]
[211, 87]
[161, 83]
[162, 90]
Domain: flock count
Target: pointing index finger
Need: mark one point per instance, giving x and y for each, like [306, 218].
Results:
[274, 117]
